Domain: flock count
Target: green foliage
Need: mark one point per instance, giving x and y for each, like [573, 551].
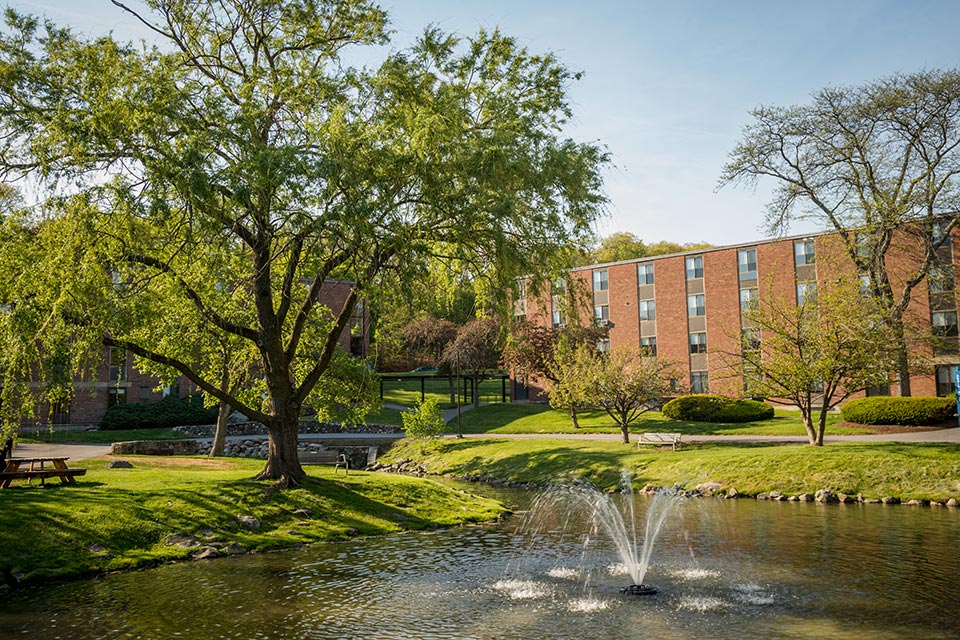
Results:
[171, 411]
[708, 408]
[914, 411]
[425, 422]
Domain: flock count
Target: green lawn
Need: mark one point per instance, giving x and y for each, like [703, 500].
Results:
[921, 471]
[530, 418]
[404, 390]
[49, 531]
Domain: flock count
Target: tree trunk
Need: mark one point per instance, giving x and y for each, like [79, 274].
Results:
[220, 436]
[573, 416]
[283, 462]
[453, 389]
[625, 431]
[806, 414]
[821, 425]
[903, 359]
[476, 392]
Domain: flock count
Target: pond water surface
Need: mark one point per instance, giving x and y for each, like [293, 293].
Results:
[725, 569]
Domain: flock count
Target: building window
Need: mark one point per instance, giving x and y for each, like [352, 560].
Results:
[645, 273]
[172, 390]
[674, 384]
[559, 318]
[647, 309]
[603, 345]
[558, 287]
[804, 252]
[806, 292]
[699, 382]
[748, 299]
[698, 343]
[648, 346]
[600, 280]
[601, 314]
[879, 390]
[945, 323]
[116, 395]
[945, 376]
[695, 305]
[750, 339]
[118, 365]
[694, 267]
[862, 242]
[938, 231]
[941, 279]
[865, 289]
[747, 261]
[143, 394]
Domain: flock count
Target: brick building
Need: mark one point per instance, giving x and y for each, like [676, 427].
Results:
[686, 307]
[118, 381]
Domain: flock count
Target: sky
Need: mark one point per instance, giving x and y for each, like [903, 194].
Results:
[668, 86]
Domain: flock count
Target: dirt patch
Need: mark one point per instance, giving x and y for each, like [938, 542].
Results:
[157, 462]
[883, 429]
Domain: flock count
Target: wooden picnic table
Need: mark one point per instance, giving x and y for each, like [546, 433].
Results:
[29, 468]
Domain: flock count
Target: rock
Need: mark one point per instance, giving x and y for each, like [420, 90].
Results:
[824, 496]
[805, 497]
[844, 498]
[709, 488]
[236, 418]
[233, 549]
[952, 503]
[98, 549]
[182, 540]
[732, 493]
[890, 500]
[793, 499]
[913, 503]
[870, 501]
[936, 503]
[249, 522]
[303, 513]
[205, 553]
[776, 495]
[763, 496]
[119, 464]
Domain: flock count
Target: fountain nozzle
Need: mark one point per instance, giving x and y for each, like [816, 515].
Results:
[639, 590]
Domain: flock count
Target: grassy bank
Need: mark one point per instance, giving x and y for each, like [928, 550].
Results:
[519, 418]
[118, 518]
[907, 471]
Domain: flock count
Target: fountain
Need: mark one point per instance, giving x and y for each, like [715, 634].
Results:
[567, 501]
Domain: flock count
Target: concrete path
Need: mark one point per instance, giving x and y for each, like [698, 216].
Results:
[72, 451]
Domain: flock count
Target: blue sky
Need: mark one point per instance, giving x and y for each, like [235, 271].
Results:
[668, 86]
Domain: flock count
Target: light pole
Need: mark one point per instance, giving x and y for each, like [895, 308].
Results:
[459, 434]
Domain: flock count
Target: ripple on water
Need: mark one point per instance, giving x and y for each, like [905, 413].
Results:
[618, 569]
[753, 593]
[587, 605]
[695, 574]
[564, 573]
[700, 603]
[522, 589]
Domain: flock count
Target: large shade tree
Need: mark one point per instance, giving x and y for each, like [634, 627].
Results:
[211, 184]
[869, 163]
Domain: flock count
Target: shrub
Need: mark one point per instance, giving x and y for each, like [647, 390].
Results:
[707, 408]
[171, 411]
[912, 411]
[425, 422]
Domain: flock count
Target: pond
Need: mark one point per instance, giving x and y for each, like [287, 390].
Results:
[724, 569]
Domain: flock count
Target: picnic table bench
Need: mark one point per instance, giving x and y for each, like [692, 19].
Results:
[36, 468]
[327, 457]
[673, 439]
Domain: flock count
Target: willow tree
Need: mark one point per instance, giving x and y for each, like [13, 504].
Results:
[211, 183]
[869, 163]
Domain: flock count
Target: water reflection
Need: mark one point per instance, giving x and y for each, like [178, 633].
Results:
[725, 569]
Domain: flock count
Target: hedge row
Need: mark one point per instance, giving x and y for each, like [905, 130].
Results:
[171, 411]
[913, 411]
[707, 408]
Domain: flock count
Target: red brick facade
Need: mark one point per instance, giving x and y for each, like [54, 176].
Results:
[726, 278]
[125, 383]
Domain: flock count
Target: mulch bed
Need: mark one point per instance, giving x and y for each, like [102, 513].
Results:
[894, 428]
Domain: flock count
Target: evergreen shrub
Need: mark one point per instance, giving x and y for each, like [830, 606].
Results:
[709, 408]
[910, 411]
[171, 411]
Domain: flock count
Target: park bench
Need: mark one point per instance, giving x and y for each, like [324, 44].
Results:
[673, 439]
[37, 469]
[327, 457]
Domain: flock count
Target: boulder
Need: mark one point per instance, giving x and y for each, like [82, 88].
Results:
[952, 502]
[233, 549]
[205, 553]
[182, 540]
[890, 500]
[805, 497]
[732, 493]
[119, 464]
[709, 488]
[248, 522]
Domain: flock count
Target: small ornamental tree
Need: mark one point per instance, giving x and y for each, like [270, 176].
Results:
[816, 354]
[428, 337]
[425, 422]
[476, 348]
[533, 352]
[572, 367]
[627, 384]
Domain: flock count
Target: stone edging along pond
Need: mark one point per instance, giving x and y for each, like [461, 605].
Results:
[706, 489]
